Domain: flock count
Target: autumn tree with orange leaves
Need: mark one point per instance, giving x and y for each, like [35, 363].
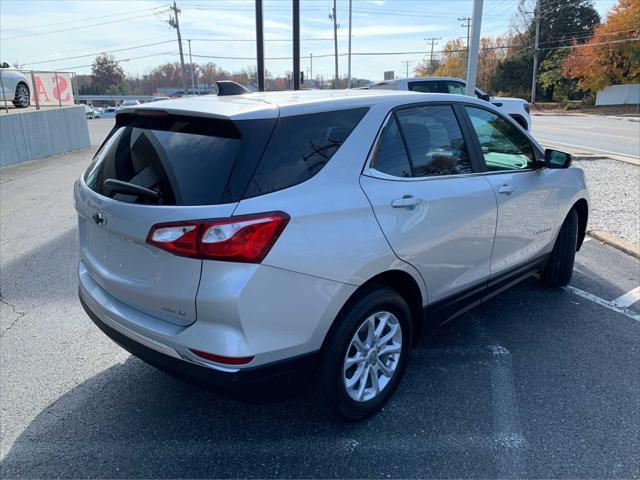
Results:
[609, 57]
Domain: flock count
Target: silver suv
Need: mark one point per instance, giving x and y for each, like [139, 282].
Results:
[302, 237]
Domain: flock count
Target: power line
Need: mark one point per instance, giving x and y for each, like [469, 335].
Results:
[98, 53]
[81, 26]
[253, 39]
[163, 42]
[118, 61]
[584, 45]
[591, 36]
[66, 22]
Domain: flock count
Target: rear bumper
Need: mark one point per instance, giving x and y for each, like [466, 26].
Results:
[290, 372]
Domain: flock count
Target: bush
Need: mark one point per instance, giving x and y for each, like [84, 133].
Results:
[571, 106]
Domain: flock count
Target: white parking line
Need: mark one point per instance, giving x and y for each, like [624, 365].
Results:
[602, 302]
[628, 299]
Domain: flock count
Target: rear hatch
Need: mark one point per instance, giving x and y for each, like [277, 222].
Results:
[157, 168]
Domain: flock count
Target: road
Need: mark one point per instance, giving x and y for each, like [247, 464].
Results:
[590, 133]
[534, 383]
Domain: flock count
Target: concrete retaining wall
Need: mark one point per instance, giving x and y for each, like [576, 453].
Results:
[31, 135]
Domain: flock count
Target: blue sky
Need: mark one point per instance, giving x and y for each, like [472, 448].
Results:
[54, 30]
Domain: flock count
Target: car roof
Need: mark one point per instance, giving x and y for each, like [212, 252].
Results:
[290, 103]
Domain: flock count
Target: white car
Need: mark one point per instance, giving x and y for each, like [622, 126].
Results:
[14, 86]
[517, 108]
[107, 112]
[280, 238]
[129, 103]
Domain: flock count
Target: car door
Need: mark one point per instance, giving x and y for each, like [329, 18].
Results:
[527, 198]
[435, 211]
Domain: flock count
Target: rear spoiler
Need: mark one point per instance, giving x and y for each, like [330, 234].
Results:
[158, 119]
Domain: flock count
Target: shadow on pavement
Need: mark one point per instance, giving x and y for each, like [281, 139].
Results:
[562, 374]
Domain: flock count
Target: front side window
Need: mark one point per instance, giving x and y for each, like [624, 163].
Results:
[299, 147]
[434, 141]
[424, 87]
[503, 146]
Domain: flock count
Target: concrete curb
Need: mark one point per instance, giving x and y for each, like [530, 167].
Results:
[618, 243]
[633, 117]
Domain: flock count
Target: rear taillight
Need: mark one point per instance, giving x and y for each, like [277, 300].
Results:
[245, 238]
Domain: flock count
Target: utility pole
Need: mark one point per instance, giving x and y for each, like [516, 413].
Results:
[474, 50]
[260, 46]
[349, 62]
[468, 27]
[536, 51]
[174, 23]
[333, 17]
[406, 64]
[193, 82]
[296, 44]
[311, 57]
[433, 40]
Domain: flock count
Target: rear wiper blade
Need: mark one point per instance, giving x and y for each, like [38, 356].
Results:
[118, 186]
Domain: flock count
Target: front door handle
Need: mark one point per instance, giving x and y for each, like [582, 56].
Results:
[407, 201]
[506, 189]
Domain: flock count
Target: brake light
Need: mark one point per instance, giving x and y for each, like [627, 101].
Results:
[245, 238]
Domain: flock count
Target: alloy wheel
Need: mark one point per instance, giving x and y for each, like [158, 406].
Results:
[372, 357]
[22, 95]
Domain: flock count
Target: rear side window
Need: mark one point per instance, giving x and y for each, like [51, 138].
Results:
[424, 87]
[434, 141]
[390, 157]
[185, 161]
[299, 147]
[423, 141]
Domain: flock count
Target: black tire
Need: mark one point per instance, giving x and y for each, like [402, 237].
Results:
[330, 391]
[559, 268]
[23, 96]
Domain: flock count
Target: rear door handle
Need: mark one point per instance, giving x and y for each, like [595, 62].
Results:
[407, 201]
[506, 189]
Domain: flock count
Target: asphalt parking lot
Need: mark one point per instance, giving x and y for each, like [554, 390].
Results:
[603, 134]
[534, 383]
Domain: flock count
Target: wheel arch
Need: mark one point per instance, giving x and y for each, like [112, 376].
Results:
[398, 280]
[22, 82]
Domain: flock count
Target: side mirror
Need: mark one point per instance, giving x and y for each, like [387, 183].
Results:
[556, 159]
[5, 65]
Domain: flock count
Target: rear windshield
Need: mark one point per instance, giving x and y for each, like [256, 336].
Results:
[185, 161]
